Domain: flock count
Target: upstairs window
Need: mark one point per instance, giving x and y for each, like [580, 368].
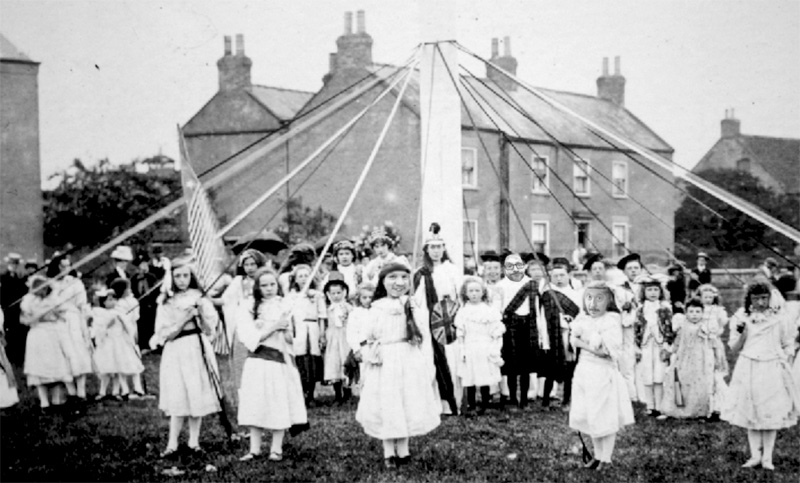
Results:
[541, 175]
[619, 177]
[580, 175]
[469, 168]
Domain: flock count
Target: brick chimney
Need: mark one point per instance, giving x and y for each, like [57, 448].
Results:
[611, 87]
[234, 70]
[731, 127]
[354, 49]
[505, 62]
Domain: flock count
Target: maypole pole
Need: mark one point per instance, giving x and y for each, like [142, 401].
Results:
[440, 111]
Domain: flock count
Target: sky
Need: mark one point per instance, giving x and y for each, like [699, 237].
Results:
[117, 77]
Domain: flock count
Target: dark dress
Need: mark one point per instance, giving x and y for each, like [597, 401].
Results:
[143, 288]
[553, 363]
[12, 289]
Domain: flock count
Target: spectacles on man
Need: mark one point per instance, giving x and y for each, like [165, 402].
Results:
[518, 266]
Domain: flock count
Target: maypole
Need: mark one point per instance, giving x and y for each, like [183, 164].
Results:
[440, 112]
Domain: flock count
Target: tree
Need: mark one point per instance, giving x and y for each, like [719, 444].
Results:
[304, 224]
[90, 205]
[734, 233]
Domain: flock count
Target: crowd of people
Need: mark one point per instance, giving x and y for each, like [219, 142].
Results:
[410, 342]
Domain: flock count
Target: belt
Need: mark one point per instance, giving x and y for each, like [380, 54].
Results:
[268, 354]
[184, 333]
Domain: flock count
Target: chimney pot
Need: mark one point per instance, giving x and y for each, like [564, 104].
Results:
[348, 23]
[617, 66]
[228, 45]
[495, 50]
[611, 87]
[605, 66]
[507, 46]
[361, 22]
[239, 44]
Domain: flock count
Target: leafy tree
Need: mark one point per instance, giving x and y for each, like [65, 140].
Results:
[737, 234]
[90, 205]
[302, 223]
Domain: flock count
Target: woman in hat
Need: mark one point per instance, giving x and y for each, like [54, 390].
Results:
[600, 403]
[237, 304]
[763, 397]
[185, 320]
[398, 400]
[437, 285]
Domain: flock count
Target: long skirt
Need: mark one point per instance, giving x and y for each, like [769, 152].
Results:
[398, 398]
[8, 383]
[600, 402]
[184, 380]
[271, 395]
[762, 395]
[48, 352]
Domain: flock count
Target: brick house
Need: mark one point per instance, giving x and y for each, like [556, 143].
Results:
[774, 161]
[560, 209]
[21, 215]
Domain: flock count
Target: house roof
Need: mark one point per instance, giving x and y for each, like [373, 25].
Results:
[283, 103]
[780, 157]
[492, 108]
[9, 51]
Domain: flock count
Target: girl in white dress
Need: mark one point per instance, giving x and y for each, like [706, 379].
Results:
[237, 305]
[601, 405]
[115, 355]
[762, 397]
[188, 374]
[653, 337]
[72, 293]
[344, 256]
[48, 349]
[271, 394]
[357, 331]
[337, 348]
[480, 330]
[715, 319]
[398, 400]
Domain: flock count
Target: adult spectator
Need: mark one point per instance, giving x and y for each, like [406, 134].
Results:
[12, 289]
[143, 284]
[121, 256]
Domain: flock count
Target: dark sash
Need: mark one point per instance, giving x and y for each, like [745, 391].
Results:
[185, 333]
[268, 354]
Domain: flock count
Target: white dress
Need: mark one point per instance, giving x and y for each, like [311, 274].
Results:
[398, 398]
[762, 394]
[600, 402]
[76, 308]
[48, 348]
[481, 329]
[271, 394]
[115, 351]
[237, 306]
[185, 376]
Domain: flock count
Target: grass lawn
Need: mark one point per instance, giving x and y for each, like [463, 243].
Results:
[121, 442]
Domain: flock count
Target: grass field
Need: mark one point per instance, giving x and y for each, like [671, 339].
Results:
[121, 442]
